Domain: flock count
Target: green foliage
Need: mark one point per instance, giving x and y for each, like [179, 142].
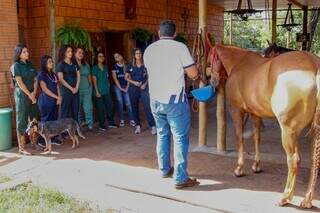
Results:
[181, 37]
[27, 198]
[73, 35]
[141, 35]
[255, 34]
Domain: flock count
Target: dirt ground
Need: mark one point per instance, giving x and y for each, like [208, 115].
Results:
[124, 147]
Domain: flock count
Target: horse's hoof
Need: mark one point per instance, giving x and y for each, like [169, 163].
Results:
[239, 173]
[306, 204]
[284, 202]
[256, 168]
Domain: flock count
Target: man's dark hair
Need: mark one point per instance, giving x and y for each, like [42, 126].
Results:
[167, 28]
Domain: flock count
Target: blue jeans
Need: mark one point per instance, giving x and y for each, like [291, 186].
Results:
[137, 95]
[172, 119]
[123, 97]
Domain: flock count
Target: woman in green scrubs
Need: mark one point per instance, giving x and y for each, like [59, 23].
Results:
[85, 88]
[24, 76]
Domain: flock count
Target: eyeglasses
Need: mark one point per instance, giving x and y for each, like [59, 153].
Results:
[138, 53]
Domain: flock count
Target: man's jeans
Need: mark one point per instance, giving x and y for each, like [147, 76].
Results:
[172, 119]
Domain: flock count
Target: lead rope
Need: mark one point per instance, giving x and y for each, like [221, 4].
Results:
[198, 52]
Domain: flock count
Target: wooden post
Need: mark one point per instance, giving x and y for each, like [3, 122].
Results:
[305, 27]
[52, 28]
[231, 26]
[274, 21]
[203, 6]
[221, 117]
[288, 39]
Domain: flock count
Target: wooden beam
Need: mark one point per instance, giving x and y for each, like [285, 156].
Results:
[203, 114]
[297, 3]
[274, 21]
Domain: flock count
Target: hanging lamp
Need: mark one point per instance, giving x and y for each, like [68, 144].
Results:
[244, 13]
[289, 21]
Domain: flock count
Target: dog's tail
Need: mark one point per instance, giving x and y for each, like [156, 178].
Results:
[79, 131]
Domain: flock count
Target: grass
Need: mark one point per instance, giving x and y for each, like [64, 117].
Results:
[4, 179]
[28, 198]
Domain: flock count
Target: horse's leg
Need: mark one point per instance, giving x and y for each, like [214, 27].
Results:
[289, 142]
[257, 121]
[237, 117]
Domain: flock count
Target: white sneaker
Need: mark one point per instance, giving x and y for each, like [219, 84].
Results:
[133, 123]
[153, 130]
[138, 130]
[121, 123]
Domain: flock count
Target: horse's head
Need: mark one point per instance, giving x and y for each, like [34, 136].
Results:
[271, 51]
[215, 69]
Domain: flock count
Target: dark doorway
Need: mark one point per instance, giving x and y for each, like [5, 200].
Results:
[114, 43]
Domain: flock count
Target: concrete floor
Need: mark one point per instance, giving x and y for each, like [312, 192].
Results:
[118, 170]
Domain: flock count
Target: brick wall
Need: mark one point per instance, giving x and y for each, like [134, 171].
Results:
[33, 20]
[8, 39]
[95, 15]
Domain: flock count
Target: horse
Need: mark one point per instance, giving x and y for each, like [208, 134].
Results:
[286, 87]
[274, 50]
[270, 52]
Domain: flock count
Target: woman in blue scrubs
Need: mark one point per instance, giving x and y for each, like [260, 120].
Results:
[49, 99]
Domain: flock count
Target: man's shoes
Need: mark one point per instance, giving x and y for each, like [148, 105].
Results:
[169, 174]
[188, 183]
[121, 123]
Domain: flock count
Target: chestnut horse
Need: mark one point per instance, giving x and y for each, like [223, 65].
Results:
[286, 87]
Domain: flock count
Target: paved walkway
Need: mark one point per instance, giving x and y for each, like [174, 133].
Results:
[118, 170]
[137, 189]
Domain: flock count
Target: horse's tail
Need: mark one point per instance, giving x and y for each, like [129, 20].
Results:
[315, 130]
[79, 131]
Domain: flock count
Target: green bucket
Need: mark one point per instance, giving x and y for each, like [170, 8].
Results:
[5, 128]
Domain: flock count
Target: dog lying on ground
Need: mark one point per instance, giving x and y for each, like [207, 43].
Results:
[50, 129]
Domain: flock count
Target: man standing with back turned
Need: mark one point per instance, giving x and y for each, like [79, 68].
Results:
[167, 61]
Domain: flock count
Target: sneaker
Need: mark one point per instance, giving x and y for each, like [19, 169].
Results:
[56, 141]
[121, 123]
[133, 123]
[138, 130]
[41, 142]
[153, 130]
[102, 128]
[112, 126]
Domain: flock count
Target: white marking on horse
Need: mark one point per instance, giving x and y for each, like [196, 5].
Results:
[290, 88]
